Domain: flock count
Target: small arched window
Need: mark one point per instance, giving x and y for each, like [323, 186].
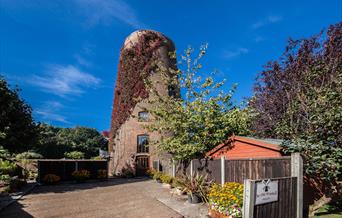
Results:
[143, 116]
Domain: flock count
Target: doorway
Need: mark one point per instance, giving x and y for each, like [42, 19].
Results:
[142, 165]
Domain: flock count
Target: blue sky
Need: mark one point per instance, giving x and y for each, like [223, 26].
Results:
[64, 54]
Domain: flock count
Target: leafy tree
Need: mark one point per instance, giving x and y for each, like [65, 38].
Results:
[299, 98]
[17, 127]
[83, 139]
[201, 119]
[54, 142]
[48, 142]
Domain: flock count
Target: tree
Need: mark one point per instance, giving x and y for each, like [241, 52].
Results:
[16, 123]
[82, 139]
[55, 142]
[201, 119]
[299, 98]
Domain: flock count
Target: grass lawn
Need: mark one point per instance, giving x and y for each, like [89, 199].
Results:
[330, 211]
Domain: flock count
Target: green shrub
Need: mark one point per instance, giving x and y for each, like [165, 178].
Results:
[28, 155]
[157, 175]
[4, 153]
[166, 178]
[150, 173]
[5, 179]
[7, 167]
[74, 155]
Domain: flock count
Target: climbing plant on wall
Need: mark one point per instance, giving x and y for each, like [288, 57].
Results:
[137, 61]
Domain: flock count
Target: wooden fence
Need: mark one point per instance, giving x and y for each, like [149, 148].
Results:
[239, 169]
[289, 168]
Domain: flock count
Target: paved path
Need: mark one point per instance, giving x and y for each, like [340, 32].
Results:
[115, 198]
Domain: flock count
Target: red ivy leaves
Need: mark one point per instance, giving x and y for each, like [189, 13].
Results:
[136, 64]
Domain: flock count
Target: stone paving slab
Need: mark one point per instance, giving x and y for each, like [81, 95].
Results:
[177, 203]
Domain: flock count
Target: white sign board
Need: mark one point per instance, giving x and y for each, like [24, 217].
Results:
[266, 192]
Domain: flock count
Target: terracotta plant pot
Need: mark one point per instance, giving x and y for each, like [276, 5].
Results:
[215, 214]
[194, 199]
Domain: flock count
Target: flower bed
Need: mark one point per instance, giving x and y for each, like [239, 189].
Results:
[226, 201]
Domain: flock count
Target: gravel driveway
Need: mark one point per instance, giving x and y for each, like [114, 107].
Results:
[114, 198]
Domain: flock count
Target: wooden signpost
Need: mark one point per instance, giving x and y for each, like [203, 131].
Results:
[275, 197]
[266, 192]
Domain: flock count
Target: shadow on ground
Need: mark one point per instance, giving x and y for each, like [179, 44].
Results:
[19, 211]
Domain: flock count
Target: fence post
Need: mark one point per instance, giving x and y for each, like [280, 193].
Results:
[39, 171]
[191, 168]
[223, 167]
[76, 165]
[248, 198]
[297, 171]
[173, 169]
[158, 165]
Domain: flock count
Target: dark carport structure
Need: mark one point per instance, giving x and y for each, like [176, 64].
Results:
[65, 167]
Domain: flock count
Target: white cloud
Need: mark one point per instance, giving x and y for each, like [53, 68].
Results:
[266, 21]
[259, 39]
[64, 80]
[234, 53]
[82, 61]
[49, 111]
[104, 11]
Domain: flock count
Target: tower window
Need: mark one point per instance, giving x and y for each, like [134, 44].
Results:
[142, 142]
[172, 91]
[143, 116]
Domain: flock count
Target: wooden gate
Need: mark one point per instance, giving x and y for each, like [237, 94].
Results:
[281, 202]
[142, 165]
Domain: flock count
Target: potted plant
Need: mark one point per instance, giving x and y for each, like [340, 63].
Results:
[102, 175]
[51, 179]
[196, 187]
[81, 175]
[226, 201]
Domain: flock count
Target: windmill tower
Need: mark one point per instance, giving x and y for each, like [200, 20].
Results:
[129, 141]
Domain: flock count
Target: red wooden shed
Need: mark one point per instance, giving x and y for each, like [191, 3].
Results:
[237, 147]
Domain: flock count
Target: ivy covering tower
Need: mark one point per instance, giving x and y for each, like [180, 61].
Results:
[129, 146]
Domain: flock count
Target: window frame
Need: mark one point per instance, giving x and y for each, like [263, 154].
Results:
[143, 148]
[141, 119]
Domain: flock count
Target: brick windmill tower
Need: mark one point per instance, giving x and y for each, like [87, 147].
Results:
[129, 141]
